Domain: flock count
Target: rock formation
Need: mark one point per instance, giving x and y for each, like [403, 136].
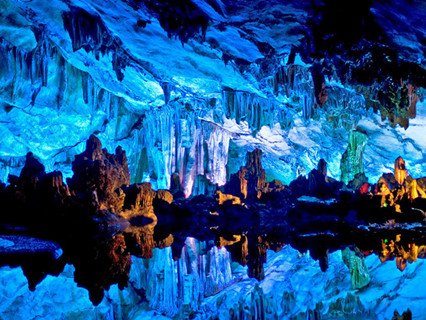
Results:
[400, 171]
[395, 189]
[250, 181]
[138, 201]
[354, 260]
[352, 159]
[99, 175]
[317, 183]
[135, 219]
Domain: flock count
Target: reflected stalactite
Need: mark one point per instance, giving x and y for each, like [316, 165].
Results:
[257, 249]
[140, 240]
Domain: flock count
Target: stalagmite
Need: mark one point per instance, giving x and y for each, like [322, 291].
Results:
[352, 159]
[400, 171]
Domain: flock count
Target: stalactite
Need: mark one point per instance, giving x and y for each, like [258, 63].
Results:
[360, 276]
[87, 31]
[246, 106]
[295, 82]
[176, 140]
[352, 159]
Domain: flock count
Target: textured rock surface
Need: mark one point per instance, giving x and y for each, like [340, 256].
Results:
[352, 159]
[354, 260]
[99, 175]
[187, 88]
[250, 180]
[72, 69]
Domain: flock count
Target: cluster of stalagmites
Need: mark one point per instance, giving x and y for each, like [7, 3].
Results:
[397, 188]
[101, 183]
[97, 200]
[100, 194]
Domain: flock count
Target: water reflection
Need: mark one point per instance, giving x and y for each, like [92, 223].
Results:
[102, 256]
[102, 222]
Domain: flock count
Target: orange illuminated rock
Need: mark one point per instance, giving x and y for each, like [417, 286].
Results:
[400, 171]
[243, 182]
[401, 263]
[239, 249]
[223, 197]
[164, 195]
[384, 187]
[165, 242]
[139, 201]
[395, 188]
[415, 188]
[223, 242]
[140, 240]
[99, 174]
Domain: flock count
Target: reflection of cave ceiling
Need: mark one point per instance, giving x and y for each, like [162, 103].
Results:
[163, 77]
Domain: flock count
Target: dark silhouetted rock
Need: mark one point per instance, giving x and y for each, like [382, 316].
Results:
[31, 173]
[250, 181]
[176, 186]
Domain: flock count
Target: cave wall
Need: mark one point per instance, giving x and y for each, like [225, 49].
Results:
[192, 105]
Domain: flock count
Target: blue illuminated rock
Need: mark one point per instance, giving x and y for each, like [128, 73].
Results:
[187, 88]
[71, 70]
